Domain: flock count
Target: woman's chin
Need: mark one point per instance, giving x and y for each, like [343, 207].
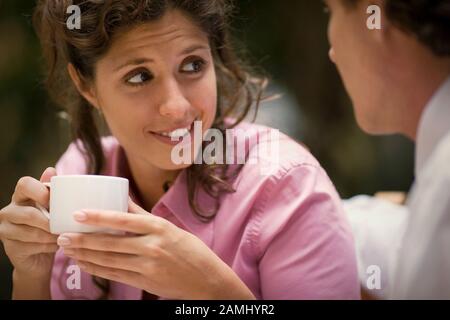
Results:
[173, 167]
[167, 163]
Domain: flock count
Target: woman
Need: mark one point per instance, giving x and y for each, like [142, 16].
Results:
[216, 231]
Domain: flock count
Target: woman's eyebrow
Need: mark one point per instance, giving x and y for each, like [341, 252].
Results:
[193, 48]
[134, 62]
[138, 61]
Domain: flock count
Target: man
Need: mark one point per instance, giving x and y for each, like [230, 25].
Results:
[398, 78]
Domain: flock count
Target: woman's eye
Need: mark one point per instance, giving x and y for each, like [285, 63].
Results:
[193, 66]
[140, 78]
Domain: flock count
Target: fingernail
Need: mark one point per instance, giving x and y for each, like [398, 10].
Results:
[81, 264]
[80, 216]
[63, 241]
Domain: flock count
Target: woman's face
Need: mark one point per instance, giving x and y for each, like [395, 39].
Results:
[156, 78]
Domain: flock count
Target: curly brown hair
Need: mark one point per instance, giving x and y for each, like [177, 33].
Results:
[427, 20]
[238, 91]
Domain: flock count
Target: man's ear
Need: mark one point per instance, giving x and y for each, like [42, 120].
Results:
[84, 88]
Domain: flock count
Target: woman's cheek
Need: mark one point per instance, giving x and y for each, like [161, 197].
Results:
[125, 123]
[211, 104]
[211, 111]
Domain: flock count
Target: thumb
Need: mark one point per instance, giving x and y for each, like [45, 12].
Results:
[47, 174]
[134, 208]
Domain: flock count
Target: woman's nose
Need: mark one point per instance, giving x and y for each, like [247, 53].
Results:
[173, 104]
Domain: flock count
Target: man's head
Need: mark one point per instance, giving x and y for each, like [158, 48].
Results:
[390, 73]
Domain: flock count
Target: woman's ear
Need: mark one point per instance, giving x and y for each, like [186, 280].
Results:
[82, 86]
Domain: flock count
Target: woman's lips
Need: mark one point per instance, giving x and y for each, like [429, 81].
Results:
[168, 140]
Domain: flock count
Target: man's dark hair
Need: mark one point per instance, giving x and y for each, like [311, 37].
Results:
[428, 20]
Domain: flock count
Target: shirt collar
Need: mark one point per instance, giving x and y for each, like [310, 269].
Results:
[433, 125]
[175, 201]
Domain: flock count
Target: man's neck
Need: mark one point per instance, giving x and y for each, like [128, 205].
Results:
[416, 74]
[421, 98]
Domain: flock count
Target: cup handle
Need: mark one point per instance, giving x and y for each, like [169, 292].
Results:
[41, 208]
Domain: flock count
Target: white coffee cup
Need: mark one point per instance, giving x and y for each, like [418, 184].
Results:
[72, 193]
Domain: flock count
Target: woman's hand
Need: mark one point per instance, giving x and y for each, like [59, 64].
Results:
[159, 257]
[24, 230]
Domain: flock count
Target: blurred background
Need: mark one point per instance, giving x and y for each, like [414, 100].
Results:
[285, 38]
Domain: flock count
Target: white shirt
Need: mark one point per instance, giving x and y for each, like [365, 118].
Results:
[423, 260]
[378, 226]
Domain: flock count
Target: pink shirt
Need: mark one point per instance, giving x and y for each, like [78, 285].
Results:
[284, 233]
